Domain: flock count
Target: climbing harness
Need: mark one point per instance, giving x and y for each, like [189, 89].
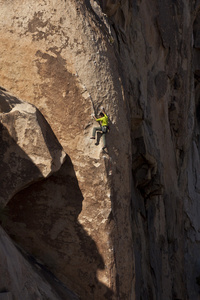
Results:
[104, 129]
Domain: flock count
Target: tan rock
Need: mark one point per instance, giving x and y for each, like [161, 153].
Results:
[72, 71]
[122, 224]
[29, 149]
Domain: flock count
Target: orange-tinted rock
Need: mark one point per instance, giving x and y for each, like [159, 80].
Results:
[130, 216]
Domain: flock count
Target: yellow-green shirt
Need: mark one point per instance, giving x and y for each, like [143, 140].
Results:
[103, 120]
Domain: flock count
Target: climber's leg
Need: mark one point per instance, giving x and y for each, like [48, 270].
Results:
[94, 131]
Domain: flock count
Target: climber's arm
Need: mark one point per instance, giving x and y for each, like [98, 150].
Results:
[100, 119]
[95, 118]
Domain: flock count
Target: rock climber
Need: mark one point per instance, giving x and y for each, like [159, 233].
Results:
[103, 119]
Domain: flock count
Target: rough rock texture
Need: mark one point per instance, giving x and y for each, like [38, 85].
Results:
[83, 218]
[29, 149]
[20, 280]
[121, 224]
[30, 152]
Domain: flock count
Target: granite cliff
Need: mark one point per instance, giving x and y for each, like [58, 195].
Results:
[120, 224]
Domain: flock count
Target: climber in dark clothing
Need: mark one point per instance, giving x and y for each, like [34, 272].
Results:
[103, 119]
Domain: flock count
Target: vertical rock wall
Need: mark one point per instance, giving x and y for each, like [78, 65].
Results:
[29, 153]
[158, 47]
[60, 57]
[121, 224]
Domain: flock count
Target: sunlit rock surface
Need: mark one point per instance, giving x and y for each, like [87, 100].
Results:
[29, 149]
[124, 223]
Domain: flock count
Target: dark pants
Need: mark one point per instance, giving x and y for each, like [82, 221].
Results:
[103, 134]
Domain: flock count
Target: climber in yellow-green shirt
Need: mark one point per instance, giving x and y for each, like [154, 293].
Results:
[103, 119]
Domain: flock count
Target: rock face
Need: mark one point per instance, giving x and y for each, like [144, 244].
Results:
[20, 280]
[121, 224]
[83, 214]
[29, 152]
[29, 149]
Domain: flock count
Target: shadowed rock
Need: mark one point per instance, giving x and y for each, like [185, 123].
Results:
[21, 280]
[29, 149]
